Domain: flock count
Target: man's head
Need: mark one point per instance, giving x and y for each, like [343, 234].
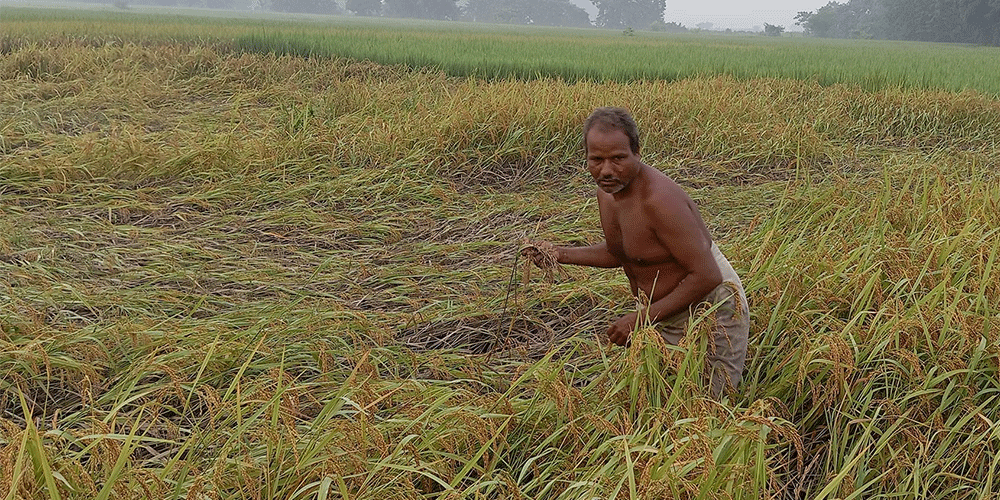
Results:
[610, 118]
[611, 141]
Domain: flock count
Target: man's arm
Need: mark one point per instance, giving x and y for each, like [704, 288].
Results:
[593, 256]
[678, 226]
[685, 234]
[692, 290]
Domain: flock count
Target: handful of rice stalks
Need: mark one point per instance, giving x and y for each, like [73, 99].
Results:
[542, 254]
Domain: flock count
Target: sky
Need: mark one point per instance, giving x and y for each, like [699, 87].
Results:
[734, 14]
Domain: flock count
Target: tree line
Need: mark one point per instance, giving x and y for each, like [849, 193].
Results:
[954, 21]
[616, 14]
[639, 14]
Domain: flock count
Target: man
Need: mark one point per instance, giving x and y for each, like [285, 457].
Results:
[653, 230]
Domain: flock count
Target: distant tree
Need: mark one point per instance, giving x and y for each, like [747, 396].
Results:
[220, 4]
[834, 20]
[804, 19]
[560, 13]
[537, 12]
[705, 26]
[671, 27]
[772, 30]
[966, 21]
[618, 14]
[497, 11]
[306, 6]
[578, 17]
[911, 20]
[423, 9]
[365, 7]
[983, 19]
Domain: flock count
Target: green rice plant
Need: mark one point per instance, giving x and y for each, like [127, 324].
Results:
[527, 53]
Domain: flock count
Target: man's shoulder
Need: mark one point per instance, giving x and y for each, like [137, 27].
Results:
[663, 190]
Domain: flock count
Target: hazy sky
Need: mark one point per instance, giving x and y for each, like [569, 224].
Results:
[735, 14]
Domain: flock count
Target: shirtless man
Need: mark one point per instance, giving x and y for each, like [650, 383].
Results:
[653, 230]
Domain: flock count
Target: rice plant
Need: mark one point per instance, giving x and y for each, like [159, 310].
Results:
[240, 274]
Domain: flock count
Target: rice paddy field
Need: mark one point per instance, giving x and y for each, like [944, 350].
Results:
[231, 267]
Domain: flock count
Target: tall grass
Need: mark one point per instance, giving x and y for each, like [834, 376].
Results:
[240, 275]
[574, 55]
[499, 52]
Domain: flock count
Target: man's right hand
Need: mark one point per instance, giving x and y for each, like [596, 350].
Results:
[545, 255]
[620, 332]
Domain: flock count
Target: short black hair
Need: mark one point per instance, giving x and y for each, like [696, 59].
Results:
[612, 118]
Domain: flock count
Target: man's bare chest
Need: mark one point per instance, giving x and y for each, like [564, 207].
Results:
[632, 239]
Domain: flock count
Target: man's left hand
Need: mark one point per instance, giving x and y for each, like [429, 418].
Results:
[620, 331]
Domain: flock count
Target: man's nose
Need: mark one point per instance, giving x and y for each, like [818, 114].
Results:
[605, 169]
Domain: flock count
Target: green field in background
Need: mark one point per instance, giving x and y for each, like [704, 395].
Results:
[497, 51]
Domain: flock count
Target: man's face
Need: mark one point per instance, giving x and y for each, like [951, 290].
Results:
[610, 159]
